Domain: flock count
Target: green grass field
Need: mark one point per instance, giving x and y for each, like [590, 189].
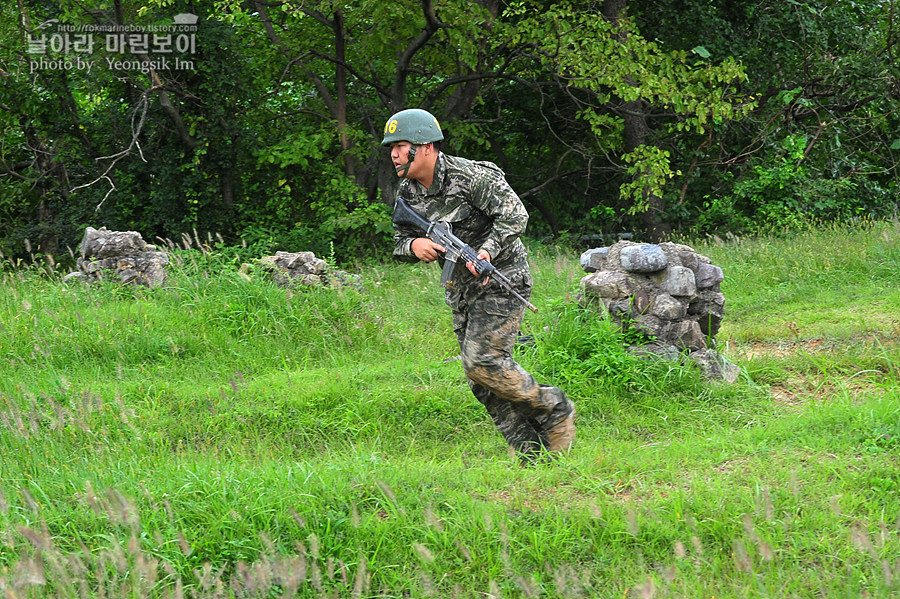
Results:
[223, 437]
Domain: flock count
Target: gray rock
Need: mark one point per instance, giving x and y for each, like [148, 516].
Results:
[655, 328]
[298, 263]
[654, 350]
[714, 366]
[618, 308]
[607, 284]
[340, 278]
[103, 243]
[594, 260]
[689, 259]
[643, 258]
[687, 334]
[708, 309]
[120, 255]
[668, 308]
[708, 275]
[679, 281]
[640, 302]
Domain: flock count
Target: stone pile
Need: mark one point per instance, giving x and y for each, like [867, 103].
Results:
[667, 291]
[287, 268]
[121, 255]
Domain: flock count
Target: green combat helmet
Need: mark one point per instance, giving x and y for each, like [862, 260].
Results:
[416, 126]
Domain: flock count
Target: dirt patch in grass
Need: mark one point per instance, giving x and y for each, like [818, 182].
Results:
[801, 389]
[799, 347]
[836, 374]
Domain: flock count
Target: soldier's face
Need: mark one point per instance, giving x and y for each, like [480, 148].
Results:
[400, 157]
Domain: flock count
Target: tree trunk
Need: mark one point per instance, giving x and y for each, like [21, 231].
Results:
[340, 88]
[387, 178]
[634, 115]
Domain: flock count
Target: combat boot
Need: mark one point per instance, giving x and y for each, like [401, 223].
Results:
[561, 434]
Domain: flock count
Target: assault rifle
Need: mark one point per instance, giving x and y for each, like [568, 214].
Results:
[442, 233]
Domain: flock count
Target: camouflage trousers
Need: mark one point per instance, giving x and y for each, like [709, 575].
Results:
[486, 322]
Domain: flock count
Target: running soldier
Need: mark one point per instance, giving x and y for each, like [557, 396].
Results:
[487, 214]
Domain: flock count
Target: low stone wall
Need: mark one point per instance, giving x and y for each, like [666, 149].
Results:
[124, 256]
[668, 292]
[287, 268]
[121, 255]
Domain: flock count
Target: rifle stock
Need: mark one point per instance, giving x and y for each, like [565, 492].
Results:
[404, 215]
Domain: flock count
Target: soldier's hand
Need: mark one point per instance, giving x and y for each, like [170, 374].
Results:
[482, 255]
[426, 250]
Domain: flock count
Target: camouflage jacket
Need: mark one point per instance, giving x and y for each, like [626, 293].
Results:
[482, 208]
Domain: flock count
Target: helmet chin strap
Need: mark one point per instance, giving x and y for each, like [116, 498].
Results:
[405, 168]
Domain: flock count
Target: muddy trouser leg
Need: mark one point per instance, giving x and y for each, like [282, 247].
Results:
[521, 432]
[522, 409]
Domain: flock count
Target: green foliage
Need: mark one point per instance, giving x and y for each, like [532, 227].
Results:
[587, 354]
[784, 195]
[649, 170]
[615, 60]
[272, 137]
[580, 347]
[322, 211]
